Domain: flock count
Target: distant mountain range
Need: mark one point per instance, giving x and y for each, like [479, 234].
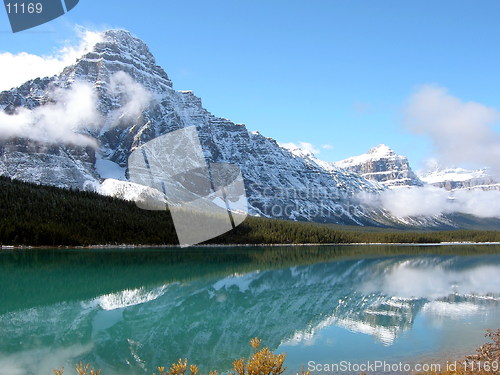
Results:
[461, 179]
[383, 165]
[135, 102]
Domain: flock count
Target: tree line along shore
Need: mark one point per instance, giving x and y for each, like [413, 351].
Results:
[37, 215]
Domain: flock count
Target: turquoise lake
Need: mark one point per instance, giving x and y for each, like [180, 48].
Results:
[127, 311]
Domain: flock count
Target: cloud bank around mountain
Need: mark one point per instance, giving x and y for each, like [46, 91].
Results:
[72, 111]
[21, 67]
[134, 98]
[462, 133]
[433, 201]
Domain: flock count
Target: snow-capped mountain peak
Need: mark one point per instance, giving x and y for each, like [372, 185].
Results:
[383, 165]
[381, 151]
[119, 51]
[376, 153]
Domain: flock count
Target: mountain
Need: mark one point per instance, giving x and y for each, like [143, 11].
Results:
[78, 128]
[136, 103]
[383, 165]
[461, 179]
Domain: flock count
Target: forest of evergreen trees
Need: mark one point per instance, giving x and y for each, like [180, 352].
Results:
[34, 215]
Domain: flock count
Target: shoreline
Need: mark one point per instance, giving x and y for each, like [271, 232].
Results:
[145, 246]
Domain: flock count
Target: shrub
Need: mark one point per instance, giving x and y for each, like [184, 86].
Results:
[265, 362]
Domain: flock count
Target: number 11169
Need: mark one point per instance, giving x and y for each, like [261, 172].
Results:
[24, 8]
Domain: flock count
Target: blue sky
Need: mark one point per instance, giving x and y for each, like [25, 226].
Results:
[333, 73]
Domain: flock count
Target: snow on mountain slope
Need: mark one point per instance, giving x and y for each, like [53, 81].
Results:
[383, 165]
[59, 166]
[129, 191]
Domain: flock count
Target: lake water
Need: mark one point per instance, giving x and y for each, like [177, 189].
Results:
[129, 310]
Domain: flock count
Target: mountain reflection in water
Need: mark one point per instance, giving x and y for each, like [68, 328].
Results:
[128, 311]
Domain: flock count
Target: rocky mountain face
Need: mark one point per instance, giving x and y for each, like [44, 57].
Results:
[383, 165]
[136, 103]
[453, 179]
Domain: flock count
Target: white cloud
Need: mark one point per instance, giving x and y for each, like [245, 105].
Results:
[73, 110]
[461, 132]
[426, 201]
[304, 146]
[133, 97]
[433, 201]
[478, 203]
[405, 202]
[18, 68]
[326, 147]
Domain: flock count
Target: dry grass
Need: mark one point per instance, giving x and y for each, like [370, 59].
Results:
[264, 362]
[261, 362]
[80, 370]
